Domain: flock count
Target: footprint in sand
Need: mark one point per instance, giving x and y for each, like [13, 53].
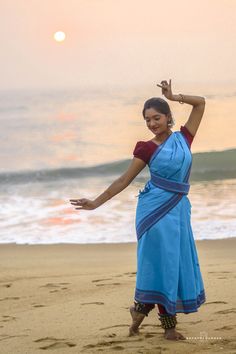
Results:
[114, 344]
[7, 336]
[227, 328]
[216, 302]
[50, 285]
[149, 335]
[111, 335]
[149, 325]
[10, 298]
[54, 343]
[222, 278]
[54, 285]
[8, 285]
[108, 284]
[59, 286]
[92, 303]
[223, 312]
[97, 280]
[223, 272]
[121, 325]
[7, 318]
[195, 322]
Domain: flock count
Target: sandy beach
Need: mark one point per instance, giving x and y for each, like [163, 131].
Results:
[74, 298]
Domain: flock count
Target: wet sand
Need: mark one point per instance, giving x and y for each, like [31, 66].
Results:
[75, 299]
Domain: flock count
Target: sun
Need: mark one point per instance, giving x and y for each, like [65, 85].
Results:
[59, 36]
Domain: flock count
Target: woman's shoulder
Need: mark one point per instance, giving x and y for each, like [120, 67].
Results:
[144, 150]
[145, 145]
[188, 136]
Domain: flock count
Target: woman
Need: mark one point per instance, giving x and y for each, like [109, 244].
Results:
[168, 271]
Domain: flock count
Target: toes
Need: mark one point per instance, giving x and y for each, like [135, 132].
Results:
[180, 336]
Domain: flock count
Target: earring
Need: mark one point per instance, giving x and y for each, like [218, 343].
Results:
[169, 124]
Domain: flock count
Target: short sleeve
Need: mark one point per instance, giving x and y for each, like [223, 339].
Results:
[141, 151]
[187, 134]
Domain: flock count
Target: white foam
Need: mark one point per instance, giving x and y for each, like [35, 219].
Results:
[42, 213]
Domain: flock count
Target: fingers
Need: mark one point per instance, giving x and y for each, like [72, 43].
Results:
[79, 203]
[164, 83]
[75, 200]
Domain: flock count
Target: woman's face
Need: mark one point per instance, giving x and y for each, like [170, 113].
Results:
[156, 121]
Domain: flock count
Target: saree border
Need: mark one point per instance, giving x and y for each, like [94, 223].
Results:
[159, 148]
[157, 297]
[157, 214]
[161, 211]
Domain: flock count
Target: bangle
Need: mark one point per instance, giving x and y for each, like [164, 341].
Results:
[182, 98]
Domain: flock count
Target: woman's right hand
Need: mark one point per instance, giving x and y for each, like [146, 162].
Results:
[83, 203]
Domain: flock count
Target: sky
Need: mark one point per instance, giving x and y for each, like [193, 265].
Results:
[116, 43]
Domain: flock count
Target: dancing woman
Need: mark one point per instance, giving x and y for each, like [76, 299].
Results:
[168, 270]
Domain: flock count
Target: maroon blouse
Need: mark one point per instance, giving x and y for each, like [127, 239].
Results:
[144, 149]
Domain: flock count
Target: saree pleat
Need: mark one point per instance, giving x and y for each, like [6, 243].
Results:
[168, 271]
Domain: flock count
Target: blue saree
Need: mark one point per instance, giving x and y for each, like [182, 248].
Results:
[168, 271]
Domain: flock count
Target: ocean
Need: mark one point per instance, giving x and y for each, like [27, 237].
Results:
[73, 143]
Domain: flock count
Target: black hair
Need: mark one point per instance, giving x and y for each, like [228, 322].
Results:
[159, 105]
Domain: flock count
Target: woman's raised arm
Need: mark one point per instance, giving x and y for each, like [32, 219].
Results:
[135, 167]
[197, 102]
[196, 114]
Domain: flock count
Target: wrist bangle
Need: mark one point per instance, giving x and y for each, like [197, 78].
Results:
[181, 98]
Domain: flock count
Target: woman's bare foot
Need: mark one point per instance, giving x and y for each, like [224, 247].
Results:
[172, 334]
[137, 318]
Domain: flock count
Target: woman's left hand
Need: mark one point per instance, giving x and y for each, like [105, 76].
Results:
[166, 89]
[83, 203]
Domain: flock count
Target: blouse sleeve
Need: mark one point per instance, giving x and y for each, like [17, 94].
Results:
[142, 151]
[187, 134]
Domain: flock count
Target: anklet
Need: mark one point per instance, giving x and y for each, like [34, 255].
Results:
[167, 321]
[143, 308]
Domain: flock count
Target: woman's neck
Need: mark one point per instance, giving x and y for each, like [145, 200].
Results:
[162, 137]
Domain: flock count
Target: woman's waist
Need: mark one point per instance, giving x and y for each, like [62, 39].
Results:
[172, 185]
[159, 188]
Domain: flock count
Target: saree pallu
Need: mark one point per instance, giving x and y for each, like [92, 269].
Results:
[168, 271]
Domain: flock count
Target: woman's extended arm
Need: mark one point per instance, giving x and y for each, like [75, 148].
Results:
[116, 187]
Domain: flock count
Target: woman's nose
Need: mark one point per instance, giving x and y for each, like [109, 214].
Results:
[153, 125]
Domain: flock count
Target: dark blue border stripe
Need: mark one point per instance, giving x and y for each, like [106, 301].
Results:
[151, 219]
[155, 297]
[169, 185]
[160, 293]
[159, 148]
[159, 212]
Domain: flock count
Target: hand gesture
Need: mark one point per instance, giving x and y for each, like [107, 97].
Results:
[166, 89]
[83, 203]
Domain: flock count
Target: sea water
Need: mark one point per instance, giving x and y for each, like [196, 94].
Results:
[63, 144]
